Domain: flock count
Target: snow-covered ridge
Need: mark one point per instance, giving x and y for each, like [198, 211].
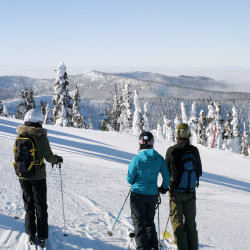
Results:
[99, 85]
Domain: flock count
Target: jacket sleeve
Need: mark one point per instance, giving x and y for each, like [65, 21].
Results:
[165, 174]
[47, 152]
[198, 159]
[132, 171]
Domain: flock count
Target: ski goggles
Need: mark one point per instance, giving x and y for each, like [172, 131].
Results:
[151, 143]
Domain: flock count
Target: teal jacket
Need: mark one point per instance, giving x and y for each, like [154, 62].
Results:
[143, 172]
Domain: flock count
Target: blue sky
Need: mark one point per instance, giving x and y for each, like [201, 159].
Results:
[136, 33]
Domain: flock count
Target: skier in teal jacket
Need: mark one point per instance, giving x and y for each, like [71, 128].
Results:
[143, 172]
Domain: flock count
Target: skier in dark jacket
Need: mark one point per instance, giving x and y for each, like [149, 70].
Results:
[143, 172]
[34, 188]
[183, 201]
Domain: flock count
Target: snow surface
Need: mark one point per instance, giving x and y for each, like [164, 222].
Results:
[94, 183]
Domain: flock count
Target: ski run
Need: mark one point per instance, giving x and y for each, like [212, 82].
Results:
[95, 187]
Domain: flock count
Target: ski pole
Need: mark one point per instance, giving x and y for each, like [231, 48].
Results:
[16, 217]
[65, 233]
[159, 232]
[110, 232]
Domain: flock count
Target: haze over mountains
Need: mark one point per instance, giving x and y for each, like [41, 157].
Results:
[100, 85]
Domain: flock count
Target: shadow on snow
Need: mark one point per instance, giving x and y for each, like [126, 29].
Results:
[110, 154]
[56, 238]
[225, 181]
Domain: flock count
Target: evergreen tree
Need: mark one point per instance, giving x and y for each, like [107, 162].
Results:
[219, 125]
[235, 145]
[227, 133]
[123, 121]
[145, 117]
[202, 127]
[47, 118]
[184, 113]
[5, 111]
[244, 143]
[115, 112]
[159, 134]
[168, 130]
[210, 130]
[138, 121]
[193, 124]
[104, 121]
[127, 106]
[61, 99]
[1, 107]
[43, 105]
[177, 121]
[30, 100]
[77, 121]
[22, 107]
[90, 122]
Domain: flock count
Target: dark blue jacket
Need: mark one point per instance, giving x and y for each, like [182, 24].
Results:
[143, 172]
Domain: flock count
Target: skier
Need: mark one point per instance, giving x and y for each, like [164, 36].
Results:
[182, 199]
[34, 187]
[143, 171]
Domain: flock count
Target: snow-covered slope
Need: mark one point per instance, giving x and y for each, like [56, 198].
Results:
[100, 85]
[94, 184]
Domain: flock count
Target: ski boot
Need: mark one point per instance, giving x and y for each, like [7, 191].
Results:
[31, 239]
[43, 242]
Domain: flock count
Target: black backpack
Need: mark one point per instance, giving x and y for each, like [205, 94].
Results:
[186, 177]
[26, 165]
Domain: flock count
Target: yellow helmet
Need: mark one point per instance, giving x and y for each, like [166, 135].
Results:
[182, 131]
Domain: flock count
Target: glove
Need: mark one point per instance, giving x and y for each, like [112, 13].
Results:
[163, 190]
[59, 159]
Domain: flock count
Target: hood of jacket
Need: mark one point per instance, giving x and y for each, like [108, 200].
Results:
[148, 155]
[22, 129]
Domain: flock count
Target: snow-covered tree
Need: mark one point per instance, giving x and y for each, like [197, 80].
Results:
[1, 107]
[47, 117]
[90, 122]
[122, 121]
[244, 142]
[115, 112]
[138, 121]
[227, 134]
[210, 130]
[22, 107]
[127, 106]
[104, 121]
[235, 145]
[43, 105]
[145, 117]
[184, 113]
[177, 121]
[219, 125]
[31, 100]
[202, 127]
[5, 111]
[61, 99]
[193, 124]
[167, 129]
[159, 134]
[76, 114]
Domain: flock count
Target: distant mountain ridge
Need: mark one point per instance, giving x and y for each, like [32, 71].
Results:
[100, 85]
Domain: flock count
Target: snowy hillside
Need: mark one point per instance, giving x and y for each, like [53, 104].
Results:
[192, 82]
[94, 183]
[100, 85]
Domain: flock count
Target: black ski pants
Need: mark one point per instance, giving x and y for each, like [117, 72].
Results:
[142, 214]
[35, 205]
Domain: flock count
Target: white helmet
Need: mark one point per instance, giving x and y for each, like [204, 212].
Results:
[34, 115]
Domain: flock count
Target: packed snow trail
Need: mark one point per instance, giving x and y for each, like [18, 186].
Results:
[94, 184]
